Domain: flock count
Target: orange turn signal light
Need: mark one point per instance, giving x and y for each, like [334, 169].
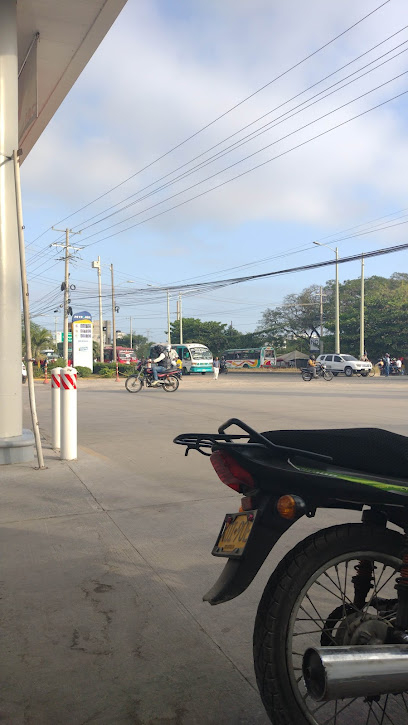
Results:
[290, 507]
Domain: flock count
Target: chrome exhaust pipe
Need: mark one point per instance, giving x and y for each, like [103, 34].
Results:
[334, 673]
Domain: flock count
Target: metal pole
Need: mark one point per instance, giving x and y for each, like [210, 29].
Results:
[113, 317]
[11, 419]
[97, 265]
[55, 322]
[321, 321]
[168, 318]
[181, 319]
[66, 293]
[131, 333]
[337, 308]
[26, 312]
[362, 346]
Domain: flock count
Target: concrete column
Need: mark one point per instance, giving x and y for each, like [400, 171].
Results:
[13, 443]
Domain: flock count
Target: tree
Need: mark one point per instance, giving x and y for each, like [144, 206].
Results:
[140, 344]
[298, 318]
[218, 336]
[41, 339]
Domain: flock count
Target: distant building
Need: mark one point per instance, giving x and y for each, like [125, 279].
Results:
[107, 332]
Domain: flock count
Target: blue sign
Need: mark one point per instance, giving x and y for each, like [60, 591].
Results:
[81, 316]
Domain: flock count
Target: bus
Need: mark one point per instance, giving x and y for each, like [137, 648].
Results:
[253, 357]
[195, 358]
[124, 355]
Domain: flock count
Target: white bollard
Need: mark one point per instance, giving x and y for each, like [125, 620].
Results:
[68, 414]
[55, 407]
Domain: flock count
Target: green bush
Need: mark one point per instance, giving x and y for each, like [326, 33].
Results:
[83, 372]
[123, 368]
[60, 363]
[107, 372]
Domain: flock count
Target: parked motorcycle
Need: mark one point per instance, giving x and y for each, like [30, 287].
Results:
[168, 380]
[331, 632]
[321, 372]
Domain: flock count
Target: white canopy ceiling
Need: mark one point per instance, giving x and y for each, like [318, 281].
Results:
[70, 31]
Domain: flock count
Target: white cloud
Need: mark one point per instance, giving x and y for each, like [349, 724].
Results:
[167, 69]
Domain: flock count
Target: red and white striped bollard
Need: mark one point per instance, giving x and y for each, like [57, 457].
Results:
[55, 407]
[69, 425]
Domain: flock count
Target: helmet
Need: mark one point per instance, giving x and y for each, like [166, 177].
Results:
[168, 348]
[313, 357]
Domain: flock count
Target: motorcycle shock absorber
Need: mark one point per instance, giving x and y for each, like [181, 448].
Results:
[363, 581]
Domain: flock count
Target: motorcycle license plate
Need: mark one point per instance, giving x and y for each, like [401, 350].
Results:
[234, 534]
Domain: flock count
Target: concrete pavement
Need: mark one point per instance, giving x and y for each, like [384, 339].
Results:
[106, 559]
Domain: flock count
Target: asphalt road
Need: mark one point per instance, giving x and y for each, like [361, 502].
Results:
[167, 510]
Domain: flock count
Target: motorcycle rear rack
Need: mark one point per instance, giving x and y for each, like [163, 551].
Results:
[200, 441]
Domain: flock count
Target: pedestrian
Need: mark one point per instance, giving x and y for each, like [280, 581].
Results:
[398, 365]
[387, 364]
[216, 368]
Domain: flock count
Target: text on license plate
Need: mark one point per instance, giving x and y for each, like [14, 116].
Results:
[234, 534]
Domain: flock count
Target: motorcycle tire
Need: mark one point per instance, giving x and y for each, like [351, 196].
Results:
[328, 375]
[307, 376]
[279, 679]
[133, 384]
[170, 385]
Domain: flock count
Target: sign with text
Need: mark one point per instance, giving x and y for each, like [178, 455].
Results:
[82, 339]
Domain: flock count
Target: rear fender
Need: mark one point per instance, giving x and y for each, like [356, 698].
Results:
[239, 573]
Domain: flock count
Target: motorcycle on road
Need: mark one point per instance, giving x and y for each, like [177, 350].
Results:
[321, 372]
[168, 380]
[330, 639]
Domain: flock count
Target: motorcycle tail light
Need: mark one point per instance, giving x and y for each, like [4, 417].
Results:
[230, 472]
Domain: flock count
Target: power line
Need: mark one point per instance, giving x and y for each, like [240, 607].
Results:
[218, 118]
[244, 173]
[254, 134]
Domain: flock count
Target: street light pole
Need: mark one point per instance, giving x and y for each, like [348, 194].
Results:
[113, 318]
[336, 299]
[131, 333]
[362, 346]
[97, 265]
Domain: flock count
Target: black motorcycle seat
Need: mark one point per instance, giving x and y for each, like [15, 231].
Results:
[372, 450]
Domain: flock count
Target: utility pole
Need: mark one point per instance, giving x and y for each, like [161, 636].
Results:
[67, 246]
[113, 318]
[97, 265]
[168, 318]
[321, 322]
[362, 346]
[131, 332]
[337, 308]
[336, 299]
[180, 319]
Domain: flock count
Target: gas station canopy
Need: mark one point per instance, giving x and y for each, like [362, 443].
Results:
[56, 39]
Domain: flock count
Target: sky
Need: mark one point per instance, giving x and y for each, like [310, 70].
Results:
[168, 69]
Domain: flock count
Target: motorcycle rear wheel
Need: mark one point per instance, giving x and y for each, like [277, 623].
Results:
[297, 605]
[133, 384]
[171, 384]
[307, 376]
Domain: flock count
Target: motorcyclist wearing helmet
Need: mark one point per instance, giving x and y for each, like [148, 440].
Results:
[311, 364]
[164, 361]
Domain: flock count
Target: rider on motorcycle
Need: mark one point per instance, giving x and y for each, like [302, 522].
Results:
[165, 363]
[311, 364]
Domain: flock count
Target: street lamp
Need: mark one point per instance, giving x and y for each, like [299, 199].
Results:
[336, 299]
